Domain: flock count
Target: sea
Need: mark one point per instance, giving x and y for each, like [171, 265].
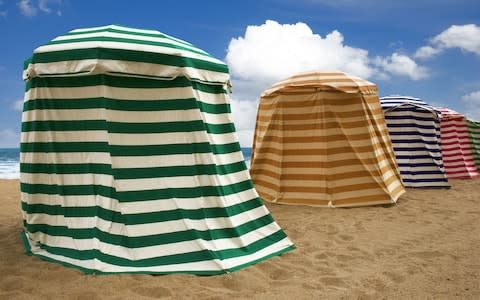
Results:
[10, 162]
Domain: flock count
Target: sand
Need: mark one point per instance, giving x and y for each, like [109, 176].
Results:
[425, 247]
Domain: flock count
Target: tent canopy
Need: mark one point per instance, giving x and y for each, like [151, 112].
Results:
[321, 140]
[414, 128]
[130, 162]
[456, 146]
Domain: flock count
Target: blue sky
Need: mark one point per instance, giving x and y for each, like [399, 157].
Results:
[424, 48]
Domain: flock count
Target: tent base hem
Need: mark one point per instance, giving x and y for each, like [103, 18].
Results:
[28, 250]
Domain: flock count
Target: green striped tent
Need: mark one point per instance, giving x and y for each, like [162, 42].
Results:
[130, 162]
[474, 134]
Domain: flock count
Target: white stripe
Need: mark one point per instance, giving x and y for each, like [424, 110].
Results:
[148, 229]
[120, 93]
[130, 161]
[124, 116]
[138, 184]
[140, 206]
[105, 66]
[131, 36]
[211, 265]
[127, 46]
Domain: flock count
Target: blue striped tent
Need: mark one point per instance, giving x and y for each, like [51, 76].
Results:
[130, 162]
[414, 127]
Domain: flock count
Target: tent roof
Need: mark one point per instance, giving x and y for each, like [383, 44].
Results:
[322, 81]
[394, 100]
[389, 103]
[127, 51]
[447, 113]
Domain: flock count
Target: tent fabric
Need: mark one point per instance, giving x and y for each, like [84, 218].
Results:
[414, 128]
[130, 162]
[456, 148]
[321, 140]
[474, 134]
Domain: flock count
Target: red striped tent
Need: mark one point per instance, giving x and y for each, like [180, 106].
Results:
[456, 147]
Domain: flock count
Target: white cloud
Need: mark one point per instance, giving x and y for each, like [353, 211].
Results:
[3, 14]
[427, 52]
[244, 113]
[43, 6]
[399, 64]
[18, 105]
[273, 51]
[464, 37]
[9, 138]
[27, 8]
[471, 103]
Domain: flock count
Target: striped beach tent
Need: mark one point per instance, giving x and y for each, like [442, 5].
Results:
[414, 128]
[474, 134]
[130, 162]
[456, 148]
[321, 140]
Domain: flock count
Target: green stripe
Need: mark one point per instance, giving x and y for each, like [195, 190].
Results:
[26, 63]
[132, 196]
[28, 250]
[151, 240]
[118, 127]
[128, 55]
[126, 31]
[127, 105]
[122, 82]
[140, 150]
[142, 218]
[128, 41]
[203, 255]
[133, 173]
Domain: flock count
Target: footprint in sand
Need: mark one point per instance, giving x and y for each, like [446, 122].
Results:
[346, 237]
[12, 283]
[332, 281]
[152, 291]
[394, 277]
[427, 254]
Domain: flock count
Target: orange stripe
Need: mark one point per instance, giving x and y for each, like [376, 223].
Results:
[318, 177]
[317, 126]
[319, 139]
[317, 151]
[315, 116]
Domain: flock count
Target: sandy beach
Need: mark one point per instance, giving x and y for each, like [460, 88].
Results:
[425, 247]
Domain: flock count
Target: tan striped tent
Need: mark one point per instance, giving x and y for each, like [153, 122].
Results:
[130, 162]
[321, 140]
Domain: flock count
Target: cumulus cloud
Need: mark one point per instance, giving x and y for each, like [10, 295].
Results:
[3, 13]
[18, 105]
[9, 138]
[399, 64]
[271, 52]
[464, 37]
[43, 5]
[27, 8]
[244, 113]
[471, 103]
[427, 52]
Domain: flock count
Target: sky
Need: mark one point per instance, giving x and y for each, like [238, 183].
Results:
[428, 49]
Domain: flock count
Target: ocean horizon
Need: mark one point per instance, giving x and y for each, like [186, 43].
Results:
[10, 162]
